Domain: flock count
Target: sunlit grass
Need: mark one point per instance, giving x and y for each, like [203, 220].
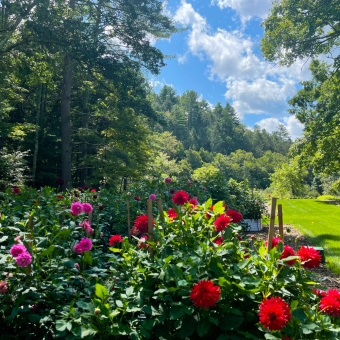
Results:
[319, 221]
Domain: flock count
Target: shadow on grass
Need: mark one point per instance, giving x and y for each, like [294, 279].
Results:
[333, 202]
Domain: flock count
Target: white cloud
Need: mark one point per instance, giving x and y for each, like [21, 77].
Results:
[246, 9]
[293, 126]
[182, 58]
[254, 85]
[260, 95]
[154, 83]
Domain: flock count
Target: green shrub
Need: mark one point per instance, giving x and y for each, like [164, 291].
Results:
[327, 197]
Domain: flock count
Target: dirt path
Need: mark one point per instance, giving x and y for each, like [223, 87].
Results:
[324, 275]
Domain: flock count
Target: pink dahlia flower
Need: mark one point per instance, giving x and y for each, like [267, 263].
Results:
[84, 245]
[87, 227]
[87, 208]
[167, 180]
[76, 208]
[17, 249]
[24, 259]
[152, 197]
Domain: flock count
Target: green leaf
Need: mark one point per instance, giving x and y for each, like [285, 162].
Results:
[63, 233]
[230, 322]
[203, 327]
[188, 328]
[294, 304]
[88, 258]
[3, 239]
[208, 204]
[101, 292]
[47, 251]
[34, 318]
[218, 208]
[242, 264]
[88, 331]
[269, 336]
[176, 312]
[61, 325]
[299, 314]
[115, 250]
[236, 311]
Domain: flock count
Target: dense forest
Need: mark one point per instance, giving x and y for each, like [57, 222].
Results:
[76, 102]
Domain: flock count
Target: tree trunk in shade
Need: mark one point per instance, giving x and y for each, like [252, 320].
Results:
[37, 128]
[83, 145]
[66, 149]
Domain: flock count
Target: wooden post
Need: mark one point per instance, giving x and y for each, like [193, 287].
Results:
[90, 217]
[160, 208]
[30, 236]
[279, 210]
[128, 218]
[150, 226]
[271, 225]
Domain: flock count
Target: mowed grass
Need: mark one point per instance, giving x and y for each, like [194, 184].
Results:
[319, 221]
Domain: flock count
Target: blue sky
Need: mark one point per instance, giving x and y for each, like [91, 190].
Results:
[218, 56]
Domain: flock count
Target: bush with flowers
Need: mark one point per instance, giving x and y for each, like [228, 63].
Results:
[61, 277]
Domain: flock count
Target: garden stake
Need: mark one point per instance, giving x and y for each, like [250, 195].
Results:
[90, 217]
[160, 208]
[279, 210]
[271, 225]
[150, 227]
[30, 236]
[128, 218]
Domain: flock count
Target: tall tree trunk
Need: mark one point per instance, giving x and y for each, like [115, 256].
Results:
[37, 123]
[66, 149]
[83, 145]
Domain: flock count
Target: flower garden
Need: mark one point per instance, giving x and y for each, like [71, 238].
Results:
[187, 270]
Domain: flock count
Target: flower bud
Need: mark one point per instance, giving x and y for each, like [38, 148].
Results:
[298, 238]
[101, 234]
[253, 237]
[97, 311]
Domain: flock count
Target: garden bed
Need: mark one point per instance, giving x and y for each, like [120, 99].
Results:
[324, 274]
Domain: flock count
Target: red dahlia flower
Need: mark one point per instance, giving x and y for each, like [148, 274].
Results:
[137, 198]
[205, 294]
[310, 255]
[180, 198]
[115, 239]
[93, 190]
[287, 252]
[226, 207]
[16, 190]
[193, 201]
[172, 214]
[235, 215]
[219, 240]
[141, 223]
[275, 242]
[59, 196]
[286, 338]
[274, 313]
[222, 222]
[330, 304]
[239, 237]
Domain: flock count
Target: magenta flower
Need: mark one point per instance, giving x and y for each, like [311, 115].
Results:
[17, 249]
[167, 180]
[152, 197]
[77, 265]
[100, 207]
[204, 188]
[84, 245]
[24, 259]
[87, 208]
[268, 195]
[76, 208]
[87, 226]
[3, 287]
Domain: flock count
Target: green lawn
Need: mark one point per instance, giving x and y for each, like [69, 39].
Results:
[319, 221]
